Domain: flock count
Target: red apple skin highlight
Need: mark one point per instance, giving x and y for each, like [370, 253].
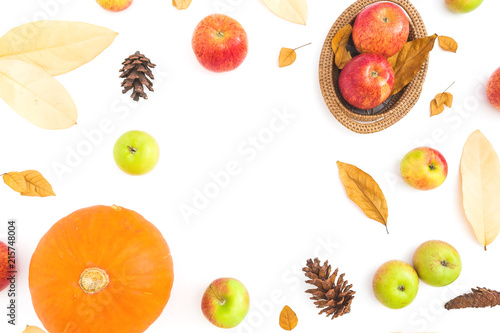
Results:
[493, 89]
[381, 28]
[366, 81]
[220, 43]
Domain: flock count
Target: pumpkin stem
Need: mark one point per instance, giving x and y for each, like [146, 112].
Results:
[93, 280]
[222, 301]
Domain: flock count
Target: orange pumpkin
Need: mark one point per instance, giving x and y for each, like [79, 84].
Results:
[101, 269]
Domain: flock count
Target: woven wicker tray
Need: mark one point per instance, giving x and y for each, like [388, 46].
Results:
[397, 106]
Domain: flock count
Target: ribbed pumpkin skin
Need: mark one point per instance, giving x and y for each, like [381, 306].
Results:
[130, 249]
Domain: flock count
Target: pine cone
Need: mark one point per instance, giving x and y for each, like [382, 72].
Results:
[334, 298]
[135, 70]
[479, 298]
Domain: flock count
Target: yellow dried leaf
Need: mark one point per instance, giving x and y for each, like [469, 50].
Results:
[445, 98]
[341, 38]
[36, 185]
[480, 170]
[364, 191]
[181, 4]
[287, 57]
[409, 60]
[36, 95]
[288, 319]
[295, 11]
[33, 329]
[16, 181]
[56, 46]
[436, 107]
[448, 44]
[342, 57]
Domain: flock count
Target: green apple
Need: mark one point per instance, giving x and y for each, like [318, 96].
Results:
[395, 284]
[463, 6]
[225, 303]
[437, 263]
[424, 168]
[136, 153]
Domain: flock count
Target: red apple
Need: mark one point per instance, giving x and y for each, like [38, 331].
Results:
[381, 28]
[366, 81]
[424, 168]
[220, 43]
[115, 5]
[4, 266]
[493, 89]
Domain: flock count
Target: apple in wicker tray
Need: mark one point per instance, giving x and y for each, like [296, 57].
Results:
[366, 81]
[381, 28]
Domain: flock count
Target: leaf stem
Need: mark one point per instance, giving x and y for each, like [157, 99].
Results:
[386, 229]
[302, 46]
[448, 87]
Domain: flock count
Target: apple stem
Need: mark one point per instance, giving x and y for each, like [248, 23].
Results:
[220, 34]
[222, 301]
[448, 87]
[132, 149]
[302, 46]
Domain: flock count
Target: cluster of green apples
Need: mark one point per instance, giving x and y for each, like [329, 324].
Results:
[436, 263]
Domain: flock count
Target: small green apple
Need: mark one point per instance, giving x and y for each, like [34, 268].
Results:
[225, 303]
[395, 284]
[424, 168]
[136, 153]
[437, 263]
[463, 6]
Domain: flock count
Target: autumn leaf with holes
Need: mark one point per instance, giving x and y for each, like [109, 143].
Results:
[28, 183]
[288, 56]
[442, 99]
[339, 46]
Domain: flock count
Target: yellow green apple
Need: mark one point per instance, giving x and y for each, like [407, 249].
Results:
[437, 263]
[424, 168]
[463, 6]
[225, 302]
[395, 284]
[115, 5]
[136, 153]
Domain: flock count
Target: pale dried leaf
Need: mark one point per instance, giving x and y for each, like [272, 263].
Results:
[288, 319]
[36, 95]
[342, 57]
[181, 4]
[448, 44]
[341, 38]
[409, 60]
[287, 57]
[295, 11]
[16, 181]
[56, 46]
[480, 170]
[364, 191]
[436, 107]
[37, 186]
[33, 329]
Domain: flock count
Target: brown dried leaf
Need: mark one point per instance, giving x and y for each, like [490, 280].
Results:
[181, 4]
[480, 170]
[287, 57]
[36, 185]
[448, 44]
[364, 191]
[16, 181]
[342, 57]
[341, 38]
[33, 329]
[436, 107]
[409, 60]
[288, 319]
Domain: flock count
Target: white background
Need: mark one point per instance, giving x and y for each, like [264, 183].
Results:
[287, 204]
